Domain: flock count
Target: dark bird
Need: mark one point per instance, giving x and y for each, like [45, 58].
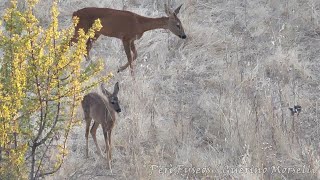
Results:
[295, 110]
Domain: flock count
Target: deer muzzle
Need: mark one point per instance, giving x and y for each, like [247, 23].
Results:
[183, 36]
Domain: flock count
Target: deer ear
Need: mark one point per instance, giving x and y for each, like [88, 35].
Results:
[116, 88]
[177, 10]
[167, 10]
[104, 90]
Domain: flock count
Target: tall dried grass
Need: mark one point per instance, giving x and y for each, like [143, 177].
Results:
[218, 100]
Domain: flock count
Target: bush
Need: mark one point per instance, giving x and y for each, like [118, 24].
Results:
[41, 83]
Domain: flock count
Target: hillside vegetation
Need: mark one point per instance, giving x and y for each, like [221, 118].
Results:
[217, 101]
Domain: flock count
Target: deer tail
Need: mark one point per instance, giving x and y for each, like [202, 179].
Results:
[74, 14]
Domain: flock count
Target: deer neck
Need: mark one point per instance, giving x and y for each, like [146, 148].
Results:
[108, 106]
[110, 109]
[148, 24]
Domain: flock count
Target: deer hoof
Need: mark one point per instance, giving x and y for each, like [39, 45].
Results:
[132, 72]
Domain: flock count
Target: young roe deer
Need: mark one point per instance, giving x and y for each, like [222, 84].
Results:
[102, 111]
[126, 26]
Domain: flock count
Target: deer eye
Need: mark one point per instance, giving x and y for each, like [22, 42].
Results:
[178, 26]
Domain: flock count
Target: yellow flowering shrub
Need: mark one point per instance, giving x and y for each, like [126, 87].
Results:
[41, 84]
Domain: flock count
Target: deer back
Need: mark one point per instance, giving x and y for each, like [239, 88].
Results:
[116, 23]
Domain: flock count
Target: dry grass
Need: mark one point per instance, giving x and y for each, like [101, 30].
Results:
[217, 100]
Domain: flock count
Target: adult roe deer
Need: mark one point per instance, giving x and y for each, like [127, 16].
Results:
[102, 111]
[126, 26]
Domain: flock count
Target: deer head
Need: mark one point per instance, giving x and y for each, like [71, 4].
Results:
[112, 97]
[174, 24]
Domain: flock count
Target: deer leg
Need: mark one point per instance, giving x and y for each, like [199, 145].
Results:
[107, 136]
[110, 148]
[133, 55]
[127, 49]
[88, 121]
[93, 134]
[86, 112]
[108, 140]
[123, 67]
[89, 45]
[134, 51]
[108, 143]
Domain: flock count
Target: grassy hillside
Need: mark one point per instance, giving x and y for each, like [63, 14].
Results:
[217, 101]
